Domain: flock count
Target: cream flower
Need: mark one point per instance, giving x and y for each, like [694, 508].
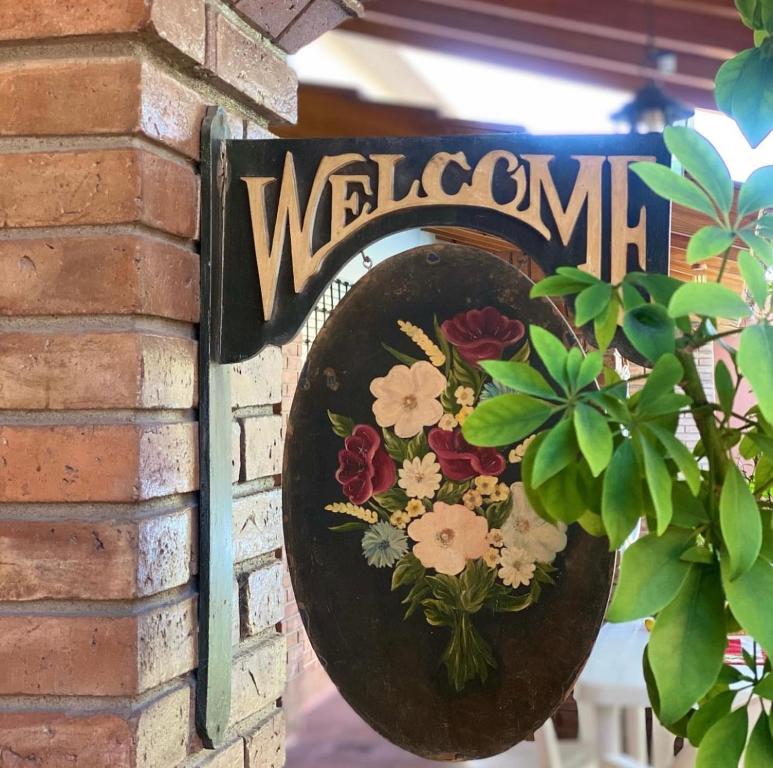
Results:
[420, 477]
[464, 412]
[414, 508]
[406, 398]
[491, 558]
[517, 567]
[449, 536]
[447, 422]
[399, 519]
[485, 484]
[464, 395]
[516, 454]
[472, 499]
[525, 529]
[500, 493]
[495, 537]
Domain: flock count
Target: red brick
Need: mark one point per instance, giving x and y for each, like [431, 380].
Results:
[178, 22]
[257, 381]
[61, 740]
[257, 524]
[258, 678]
[124, 274]
[96, 462]
[254, 70]
[262, 599]
[118, 186]
[96, 370]
[96, 655]
[66, 559]
[319, 17]
[46, 97]
[262, 446]
[265, 746]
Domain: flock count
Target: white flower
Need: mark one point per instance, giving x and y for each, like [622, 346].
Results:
[464, 395]
[447, 422]
[406, 398]
[526, 530]
[420, 477]
[517, 567]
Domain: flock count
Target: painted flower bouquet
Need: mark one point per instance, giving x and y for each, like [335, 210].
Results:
[433, 507]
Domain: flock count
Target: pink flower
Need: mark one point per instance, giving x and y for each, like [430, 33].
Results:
[459, 460]
[482, 334]
[448, 537]
[364, 467]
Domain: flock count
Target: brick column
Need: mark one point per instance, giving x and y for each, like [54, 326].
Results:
[101, 103]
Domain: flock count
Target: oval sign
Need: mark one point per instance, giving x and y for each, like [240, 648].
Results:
[451, 617]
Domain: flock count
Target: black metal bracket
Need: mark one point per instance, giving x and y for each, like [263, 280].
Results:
[213, 687]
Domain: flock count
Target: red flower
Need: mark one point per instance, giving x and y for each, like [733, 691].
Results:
[459, 460]
[482, 334]
[364, 467]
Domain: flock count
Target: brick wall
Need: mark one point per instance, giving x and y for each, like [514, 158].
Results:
[101, 103]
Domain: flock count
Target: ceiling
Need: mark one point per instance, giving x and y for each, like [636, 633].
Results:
[597, 41]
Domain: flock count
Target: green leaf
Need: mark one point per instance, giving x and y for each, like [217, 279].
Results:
[560, 496]
[660, 287]
[740, 522]
[688, 642]
[681, 456]
[759, 752]
[742, 90]
[753, 274]
[709, 713]
[591, 302]
[651, 574]
[650, 330]
[578, 274]
[666, 374]
[552, 353]
[759, 245]
[702, 161]
[519, 376]
[757, 191]
[590, 369]
[591, 522]
[707, 300]
[708, 242]
[723, 744]
[395, 446]
[765, 688]
[594, 437]
[605, 325]
[498, 512]
[506, 419]
[417, 446]
[744, 596]
[659, 482]
[556, 285]
[632, 296]
[392, 500]
[688, 510]
[755, 361]
[573, 362]
[342, 425]
[404, 359]
[346, 527]
[621, 499]
[451, 492]
[723, 383]
[673, 186]
[556, 451]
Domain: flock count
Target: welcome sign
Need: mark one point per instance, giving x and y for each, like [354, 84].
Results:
[384, 502]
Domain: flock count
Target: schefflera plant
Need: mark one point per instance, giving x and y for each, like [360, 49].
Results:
[604, 459]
